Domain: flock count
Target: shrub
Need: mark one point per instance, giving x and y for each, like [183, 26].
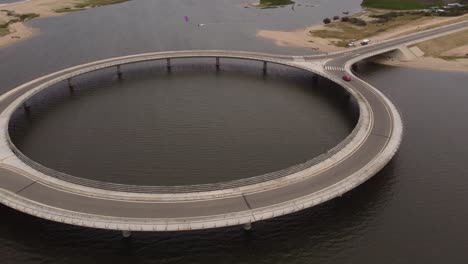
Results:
[386, 17]
[336, 17]
[28, 16]
[357, 21]
[326, 20]
[361, 23]
[345, 19]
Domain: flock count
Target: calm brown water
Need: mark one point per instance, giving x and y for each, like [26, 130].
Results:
[413, 211]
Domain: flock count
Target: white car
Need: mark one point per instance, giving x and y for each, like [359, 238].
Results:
[365, 42]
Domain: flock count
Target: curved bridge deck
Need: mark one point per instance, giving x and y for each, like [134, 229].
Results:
[27, 187]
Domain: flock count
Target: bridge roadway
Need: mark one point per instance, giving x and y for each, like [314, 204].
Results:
[42, 192]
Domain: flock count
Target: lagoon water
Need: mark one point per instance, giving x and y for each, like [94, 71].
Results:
[413, 211]
[3, 2]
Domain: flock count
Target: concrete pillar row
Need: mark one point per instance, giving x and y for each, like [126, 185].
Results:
[126, 233]
[26, 106]
[119, 72]
[168, 64]
[70, 84]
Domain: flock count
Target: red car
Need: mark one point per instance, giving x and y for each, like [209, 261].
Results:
[346, 77]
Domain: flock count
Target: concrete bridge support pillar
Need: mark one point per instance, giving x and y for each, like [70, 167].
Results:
[315, 78]
[264, 67]
[26, 106]
[70, 84]
[247, 226]
[168, 64]
[348, 96]
[217, 63]
[119, 72]
[126, 233]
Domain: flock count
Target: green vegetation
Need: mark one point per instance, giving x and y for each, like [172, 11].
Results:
[4, 29]
[352, 29]
[355, 21]
[14, 17]
[398, 4]
[19, 17]
[67, 9]
[273, 3]
[88, 3]
[27, 16]
[98, 3]
[438, 47]
[455, 11]
[416, 4]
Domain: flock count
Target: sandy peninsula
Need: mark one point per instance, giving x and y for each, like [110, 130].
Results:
[18, 31]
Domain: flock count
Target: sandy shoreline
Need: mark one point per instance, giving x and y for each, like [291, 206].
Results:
[44, 8]
[20, 31]
[300, 38]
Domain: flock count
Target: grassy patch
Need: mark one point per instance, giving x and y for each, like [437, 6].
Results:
[271, 3]
[397, 4]
[346, 31]
[4, 29]
[67, 9]
[436, 47]
[27, 16]
[92, 3]
[456, 11]
[14, 17]
[19, 17]
[88, 3]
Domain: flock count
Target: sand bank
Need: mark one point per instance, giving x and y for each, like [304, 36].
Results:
[19, 31]
[44, 8]
[300, 38]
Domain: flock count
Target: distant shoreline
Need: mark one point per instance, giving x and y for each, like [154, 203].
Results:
[22, 1]
[18, 31]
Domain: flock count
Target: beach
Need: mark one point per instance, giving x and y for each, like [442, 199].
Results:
[43, 8]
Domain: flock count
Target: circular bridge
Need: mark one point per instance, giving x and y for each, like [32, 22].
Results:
[34, 189]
